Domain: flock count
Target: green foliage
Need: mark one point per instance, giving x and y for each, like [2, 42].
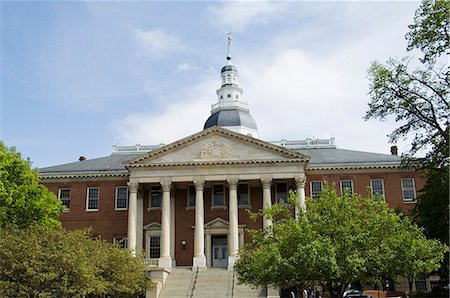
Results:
[337, 240]
[23, 200]
[431, 29]
[418, 98]
[43, 261]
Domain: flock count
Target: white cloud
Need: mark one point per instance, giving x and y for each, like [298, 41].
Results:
[156, 42]
[185, 67]
[236, 15]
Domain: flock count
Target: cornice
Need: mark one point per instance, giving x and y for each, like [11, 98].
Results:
[215, 163]
[82, 175]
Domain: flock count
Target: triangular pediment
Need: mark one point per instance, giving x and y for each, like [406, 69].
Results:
[153, 226]
[217, 223]
[216, 145]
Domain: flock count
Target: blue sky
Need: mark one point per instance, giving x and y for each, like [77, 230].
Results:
[77, 77]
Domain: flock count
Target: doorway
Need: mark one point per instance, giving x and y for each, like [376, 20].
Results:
[219, 249]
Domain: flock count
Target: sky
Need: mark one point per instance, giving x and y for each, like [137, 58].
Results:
[80, 76]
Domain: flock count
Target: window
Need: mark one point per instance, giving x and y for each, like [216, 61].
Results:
[377, 187]
[191, 196]
[155, 197]
[316, 188]
[347, 185]
[64, 196]
[228, 95]
[409, 191]
[218, 195]
[242, 193]
[121, 197]
[121, 242]
[154, 247]
[237, 96]
[93, 195]
[281, 193]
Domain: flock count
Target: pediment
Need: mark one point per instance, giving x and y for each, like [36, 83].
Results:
[216, 145]
[217, 223]
[153, 226]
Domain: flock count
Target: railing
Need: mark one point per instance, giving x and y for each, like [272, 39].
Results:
[229, 103]
[151, 263]
[136, 148]
[307, 143]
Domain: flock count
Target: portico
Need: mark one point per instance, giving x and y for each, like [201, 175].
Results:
[226, 165]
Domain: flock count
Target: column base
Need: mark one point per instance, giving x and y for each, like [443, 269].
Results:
[231, 261]
[199, 262]
[165, 262]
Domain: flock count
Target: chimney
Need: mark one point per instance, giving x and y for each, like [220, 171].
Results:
[394, 150]
[82, 158]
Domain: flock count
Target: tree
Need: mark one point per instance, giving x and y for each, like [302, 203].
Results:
[43, 261]
[23, 200]
[335, 241]
[418, 98]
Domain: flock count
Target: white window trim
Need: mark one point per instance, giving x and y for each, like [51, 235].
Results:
[276, 191]
[310, 187]
[352, 187]
[249, 205]
[382, 185]
[150, 199]
[224, 206]
[118, 239]
[187, 197]
[413, 187]
[87, 199]
[66, 209]
[152, 233]
[115, 203]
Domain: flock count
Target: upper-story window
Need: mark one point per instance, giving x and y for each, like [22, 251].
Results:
[243, 195]
[93, 197]
[64, 196]
[191, 196]
[409, 190]
[155, 197]
[377, 188]
[228, 95]
[218, 195]
[347, 185]
[237, 96]
[316, 188]
[281, 193]
[121, 198]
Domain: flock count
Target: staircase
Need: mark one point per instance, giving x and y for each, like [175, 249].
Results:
[213, 282]
[179, 283]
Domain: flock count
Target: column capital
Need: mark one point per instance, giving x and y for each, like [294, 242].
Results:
[133, 187]
[232, 183]
[266, 182]
[199, 184]
[166, 185]
[300, 181]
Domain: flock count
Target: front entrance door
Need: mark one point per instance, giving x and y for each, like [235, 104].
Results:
[219, 251]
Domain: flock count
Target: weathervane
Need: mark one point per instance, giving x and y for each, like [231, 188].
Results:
[229, 46]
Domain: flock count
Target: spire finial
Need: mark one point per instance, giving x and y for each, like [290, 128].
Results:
[229, 46]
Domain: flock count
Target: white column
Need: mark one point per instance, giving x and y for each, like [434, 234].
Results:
[300, 183]
[172, 226]
[267, 199]
[132, 217]
[139, 221]
[164, 260]
[233, 229]
[199, 260]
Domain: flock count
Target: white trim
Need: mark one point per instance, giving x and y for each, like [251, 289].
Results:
[352, 189]
[310, 187]
[115, 202]
[382, 185]
[67, 208]
[413, 188]
[87, 199]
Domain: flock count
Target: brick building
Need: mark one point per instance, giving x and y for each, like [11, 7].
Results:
[184, 203]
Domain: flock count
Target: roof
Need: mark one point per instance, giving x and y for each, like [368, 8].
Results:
[320, 158]
[234, 117]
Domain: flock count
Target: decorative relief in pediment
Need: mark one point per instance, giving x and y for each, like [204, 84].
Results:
[215, 150]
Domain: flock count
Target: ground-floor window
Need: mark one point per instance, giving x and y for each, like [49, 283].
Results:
[120, 241]
[316, 188]
[154, 247]
[282, 193]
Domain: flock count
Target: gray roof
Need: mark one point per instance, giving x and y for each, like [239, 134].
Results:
[319, 157]
[112, 163]
[233, 117]
[324, 156]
